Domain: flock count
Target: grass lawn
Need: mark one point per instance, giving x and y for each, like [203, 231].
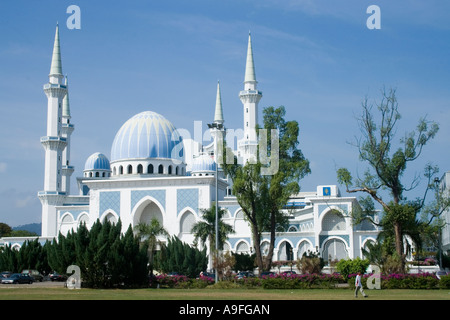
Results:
[24, 293]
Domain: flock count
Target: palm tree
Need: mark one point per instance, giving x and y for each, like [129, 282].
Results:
[206, 230]
[148, 234]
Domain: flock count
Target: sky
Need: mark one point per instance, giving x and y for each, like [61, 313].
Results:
[318, 59]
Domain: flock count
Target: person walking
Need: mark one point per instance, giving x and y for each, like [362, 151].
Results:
[359, 286]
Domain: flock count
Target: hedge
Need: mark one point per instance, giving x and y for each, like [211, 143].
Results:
[305, 281]
[406, 281]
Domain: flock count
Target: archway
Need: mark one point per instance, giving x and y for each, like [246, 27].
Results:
[303, 248]
[334, 249]
[333, 221]
[146, 210]
[285, 251]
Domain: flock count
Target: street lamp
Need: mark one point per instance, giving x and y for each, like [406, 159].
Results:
[217, 126]
[437, 182]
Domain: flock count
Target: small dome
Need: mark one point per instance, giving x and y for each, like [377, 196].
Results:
[147, 135]
[97, 161]
[203, 163]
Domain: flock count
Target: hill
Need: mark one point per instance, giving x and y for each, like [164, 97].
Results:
[31, 227]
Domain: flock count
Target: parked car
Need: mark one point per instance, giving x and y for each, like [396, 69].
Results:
[18, 278]
[288, 273]
[57, 277]
[208, 275]
[245, 274]
[266, 274]
[441, 273]
[5, 274]
[37, 276]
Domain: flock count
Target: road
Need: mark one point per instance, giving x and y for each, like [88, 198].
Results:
[37, 284]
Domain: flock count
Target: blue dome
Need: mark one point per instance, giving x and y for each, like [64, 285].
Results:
[97, 161]
[203, 163]
[147, 135]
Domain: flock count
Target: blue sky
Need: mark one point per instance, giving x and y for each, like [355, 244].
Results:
[316, 58]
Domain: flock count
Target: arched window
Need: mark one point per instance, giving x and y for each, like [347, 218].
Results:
[333, 221]
[170, 169]
[110, 218]
[139, 169]
[176, 170]
[120, 170]
[187, 222]
[160, 169]
[130, 169]
[150, 168]
[242, 247]
[97, 174]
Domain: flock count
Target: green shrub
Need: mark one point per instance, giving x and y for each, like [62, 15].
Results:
[444, 283]
[401, 281]
[348, 266]
[301, 281]
[249, 282]
[224, 285]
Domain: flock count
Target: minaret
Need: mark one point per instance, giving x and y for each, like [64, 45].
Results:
[218, 114]
[66, 129]
[54, 144]
[250, 97]
[217, 128]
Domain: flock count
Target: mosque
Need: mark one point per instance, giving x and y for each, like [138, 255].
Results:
[153, 173]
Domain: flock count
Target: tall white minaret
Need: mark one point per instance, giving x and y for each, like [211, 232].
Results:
[217, 128]
[66, 129]
[250, 97]
[54, 144]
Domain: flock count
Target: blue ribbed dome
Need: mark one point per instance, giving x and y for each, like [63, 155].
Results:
[147, 135]
[203, 163]
[97, 161]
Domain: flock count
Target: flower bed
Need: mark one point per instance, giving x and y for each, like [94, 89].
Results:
[179, 281]
[301, 281]
[402, 281]
[307, 281]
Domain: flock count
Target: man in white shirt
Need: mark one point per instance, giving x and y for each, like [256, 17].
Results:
[358, 286]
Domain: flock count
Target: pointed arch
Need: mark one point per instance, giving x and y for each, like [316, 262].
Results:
[333, 220]
[66, 223]
[110, 216]
[146, 209]
[285, 250]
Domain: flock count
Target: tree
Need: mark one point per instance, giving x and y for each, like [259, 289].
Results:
[262, 196]
[5, 230]
[148, 234]
[180, 257]
[205, 230]
[386, 166]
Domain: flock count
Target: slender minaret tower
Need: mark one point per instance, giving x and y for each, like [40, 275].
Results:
[66, 129]
[54, 144]
[217, 128]
[250, 97]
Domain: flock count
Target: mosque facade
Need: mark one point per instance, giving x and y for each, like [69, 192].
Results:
[153, 173]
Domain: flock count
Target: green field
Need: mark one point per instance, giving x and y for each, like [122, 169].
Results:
[24, 293]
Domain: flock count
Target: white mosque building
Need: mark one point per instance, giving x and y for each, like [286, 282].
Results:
[153, 173]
